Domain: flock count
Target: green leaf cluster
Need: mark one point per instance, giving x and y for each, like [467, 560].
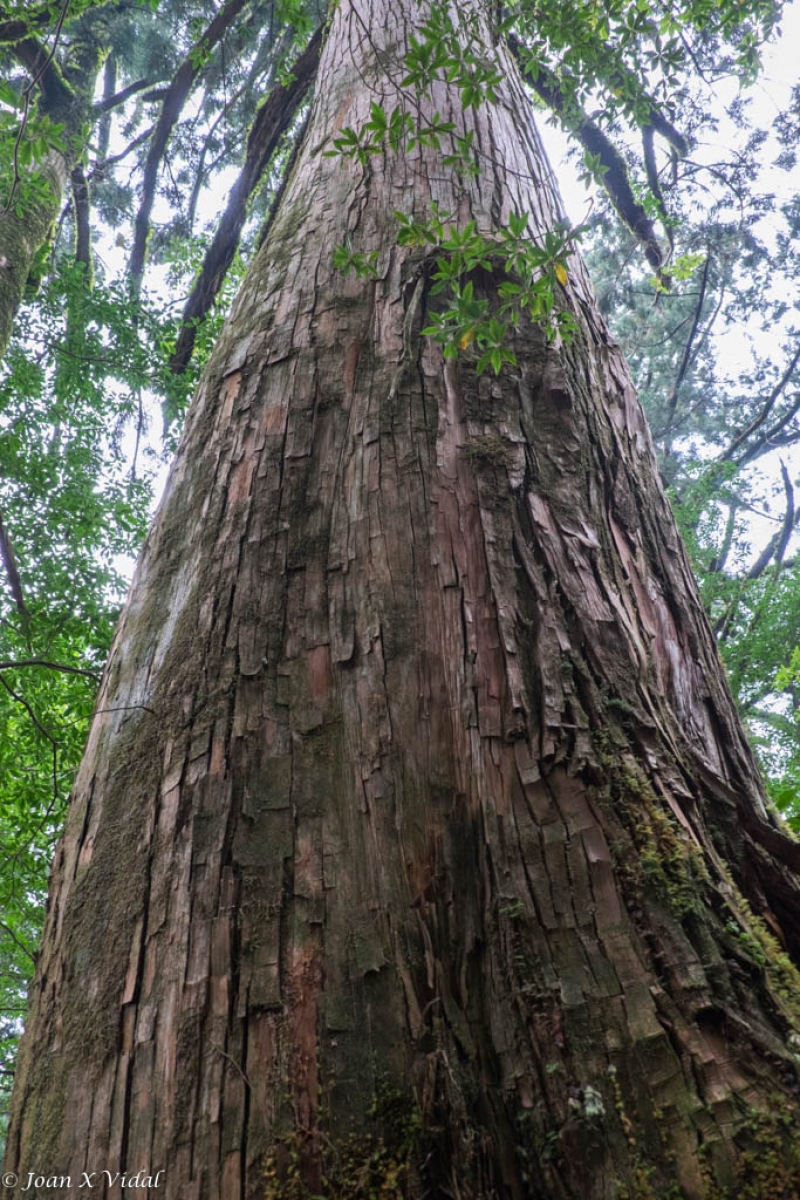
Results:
[455, 53]
[527, 279]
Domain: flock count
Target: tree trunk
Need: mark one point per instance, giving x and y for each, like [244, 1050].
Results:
[34, 194]
[26, 223]
[409, 851]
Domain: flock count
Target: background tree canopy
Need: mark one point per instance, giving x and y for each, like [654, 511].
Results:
[124, 125]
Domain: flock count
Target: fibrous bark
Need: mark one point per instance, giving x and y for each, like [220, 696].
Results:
[411, 843]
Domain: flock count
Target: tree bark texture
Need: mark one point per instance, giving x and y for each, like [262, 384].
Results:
[26, 224]
[34, 194]
[413, 841]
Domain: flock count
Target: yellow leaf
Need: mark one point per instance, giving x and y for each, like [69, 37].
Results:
[467, 338]
[561, 274]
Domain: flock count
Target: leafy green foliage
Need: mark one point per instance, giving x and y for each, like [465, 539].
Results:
[399, 130]
[71, 508]
[25, 141]
[637, 52]
[350, 261]
[529, 275]
[756, 617]
[80, 455]
[455, 53]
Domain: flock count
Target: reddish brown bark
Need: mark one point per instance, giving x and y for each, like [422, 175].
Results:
[410, 844]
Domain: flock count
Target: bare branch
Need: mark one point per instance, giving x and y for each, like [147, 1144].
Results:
[109, 88]
[667, 131]
[778, 543]
[156, 94]
[83, 232]
[775, 436]
[174, 100]
[271, 122]
[21, 700]
[766, 409]
[686, 357]
[109, 102]
[256, 77]
[10, 565]
[102, 163]
[6, 929]
[9, 665]
[718, 563]
[776, 549]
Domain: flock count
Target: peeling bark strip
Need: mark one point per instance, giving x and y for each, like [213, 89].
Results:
[427, 877]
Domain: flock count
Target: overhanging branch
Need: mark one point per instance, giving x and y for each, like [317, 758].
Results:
[686, 357]
[45, 72]
[615, 174]
[271, 122]
[763, 415]
[174, 100]
[110, 102]
[13, 665]
[10, 565]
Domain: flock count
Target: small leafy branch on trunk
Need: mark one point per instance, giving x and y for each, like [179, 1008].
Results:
[529, 277]
[529, 273]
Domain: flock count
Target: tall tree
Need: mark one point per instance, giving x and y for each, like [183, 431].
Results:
[416, 849]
